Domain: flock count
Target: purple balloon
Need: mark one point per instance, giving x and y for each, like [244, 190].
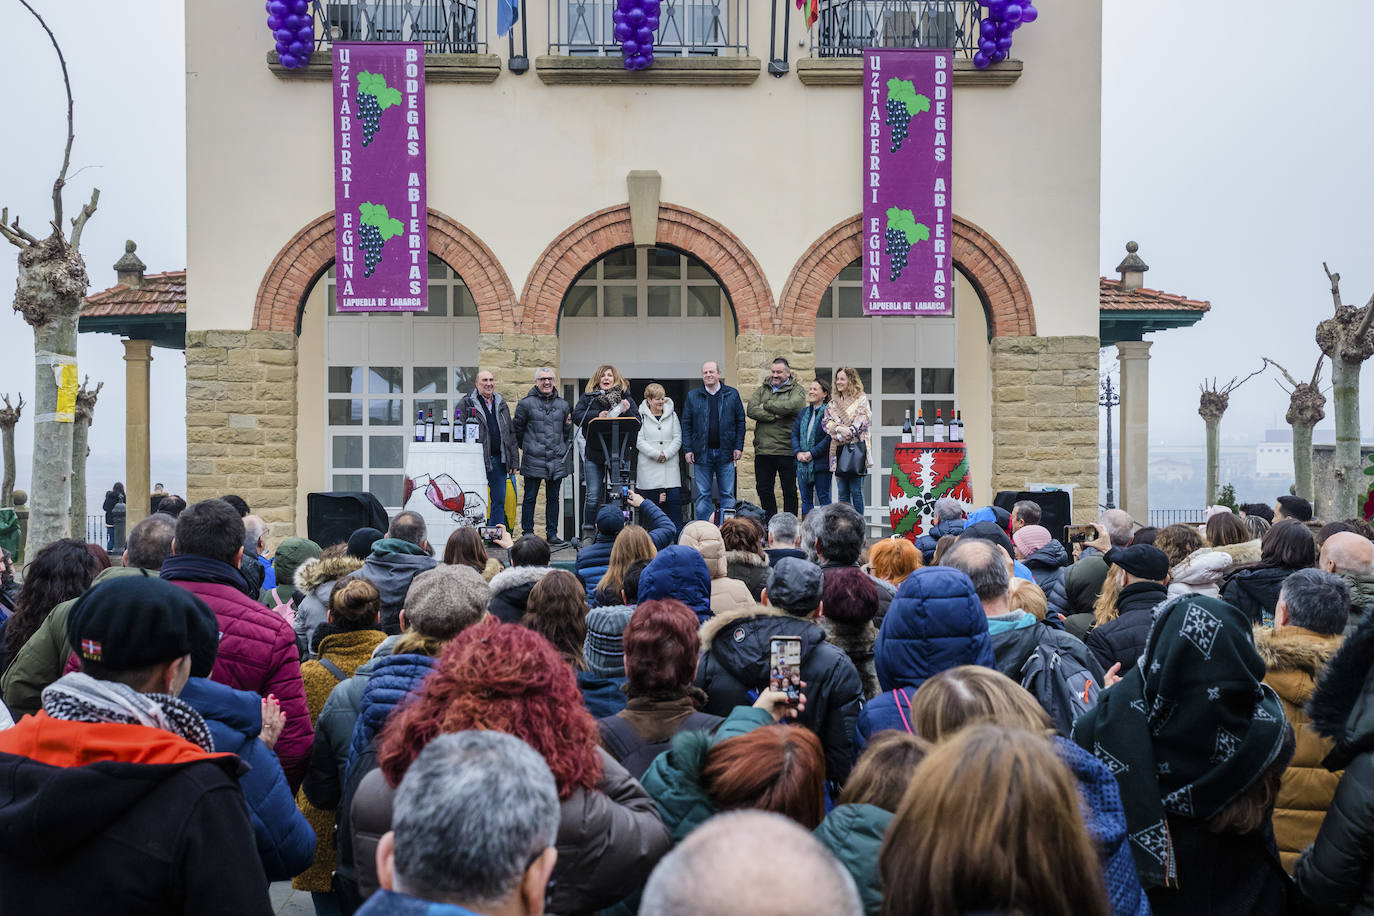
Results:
[651, 22]
[630, 47]
[998, 56]
[648, 57]
[284, 35]
[618, 16]
[293, 22]
[1004, 29]
[635, 17]
[980, 60]
[297, 49]
[996, 8]
[987, 28]
[305, 34]
[1013, 12]
[300, 7]
[1029, 14]
[644, 36]
[651, 7]
[290, 61]
[278, 8]
[1003, 44]
[987, 45]
[623, 31]
[274, 23]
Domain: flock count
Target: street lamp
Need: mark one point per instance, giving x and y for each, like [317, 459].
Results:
[1109, 398]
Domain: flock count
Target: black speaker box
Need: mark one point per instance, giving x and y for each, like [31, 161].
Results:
[332, 517]
[1055, 510]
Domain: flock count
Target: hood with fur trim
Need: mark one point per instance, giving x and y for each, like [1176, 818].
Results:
[1342, 706]
[1293, 659]
[1242, 554]
[517, 577]
[311, 574]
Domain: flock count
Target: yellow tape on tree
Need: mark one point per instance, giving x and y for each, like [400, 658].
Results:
[66, 393]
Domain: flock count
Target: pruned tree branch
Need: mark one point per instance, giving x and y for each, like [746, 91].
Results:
[1317, 372]
[1290, 378]
[1233, 384]
[1335, 285]
[1365, 321]
[79, 222]
[16, 236]
[61, 181]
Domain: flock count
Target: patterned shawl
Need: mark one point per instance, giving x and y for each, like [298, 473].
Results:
[78, 697]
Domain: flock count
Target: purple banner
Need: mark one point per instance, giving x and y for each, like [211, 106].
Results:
[907, 105]
[382, 238]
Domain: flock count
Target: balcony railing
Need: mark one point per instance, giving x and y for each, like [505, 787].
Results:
[686, 28]
[845, 27]
[445, 26]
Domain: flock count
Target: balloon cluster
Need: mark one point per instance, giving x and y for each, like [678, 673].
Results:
[635, 24]
[994, 32]
[294, 29]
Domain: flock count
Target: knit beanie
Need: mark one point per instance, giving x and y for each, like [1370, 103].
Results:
[446, 600]
[602, 649]
[361, 541]
[609, 522]
[1030, 538]
[291, 553]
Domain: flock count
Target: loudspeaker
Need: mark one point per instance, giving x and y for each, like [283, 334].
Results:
[1055, 508]
[332, 517]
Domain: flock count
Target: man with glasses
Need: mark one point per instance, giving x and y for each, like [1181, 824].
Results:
[543, 424]
[498, 438]
[713, 439]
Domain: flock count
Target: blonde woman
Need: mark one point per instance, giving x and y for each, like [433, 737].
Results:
[848, 419]
[659, 478]
[607, 395]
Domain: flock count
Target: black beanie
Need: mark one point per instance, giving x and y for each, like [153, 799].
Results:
[361, 541]
[132, 622]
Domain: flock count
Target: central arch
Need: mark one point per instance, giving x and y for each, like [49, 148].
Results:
[588, 239]
[977, 255]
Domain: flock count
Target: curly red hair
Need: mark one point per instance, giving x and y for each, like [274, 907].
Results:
[500, 677]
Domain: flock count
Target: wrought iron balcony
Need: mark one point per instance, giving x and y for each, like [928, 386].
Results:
[445, 26]
[687, 28]
[845, 27]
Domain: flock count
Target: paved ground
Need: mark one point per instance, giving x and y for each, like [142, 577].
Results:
[288, 902]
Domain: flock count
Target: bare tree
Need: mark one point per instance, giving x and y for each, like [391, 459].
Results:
[85, 413]
[1306, 408]
[51, 288]
[1211, 406]
[9, 418]
[1347, 339]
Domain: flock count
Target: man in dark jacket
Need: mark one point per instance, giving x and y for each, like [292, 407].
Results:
[593, 559]
[394, 561]
[773, 406]
[784, 534]
[838, 542]
[500, 451]
[1142, 568]
[542, 429]
[713, 439]
[112, 799]
[257, 650]
[735, 659]
[949, 519]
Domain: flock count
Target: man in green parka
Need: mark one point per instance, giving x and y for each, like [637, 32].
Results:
[774, 407]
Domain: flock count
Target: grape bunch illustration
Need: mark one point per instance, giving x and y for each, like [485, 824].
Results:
[374, 97]
[903, 104]
[901, 234]
[375, 226]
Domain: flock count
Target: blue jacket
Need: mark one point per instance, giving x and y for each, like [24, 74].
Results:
[285, 841]
[935, 622]
[678, 572]
[927, 542]
[393, 903]
[595, 558]
[393, 678]
[696, 417]
[602, 695]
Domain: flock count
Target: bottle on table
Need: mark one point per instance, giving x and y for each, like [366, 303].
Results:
[956, 433]
[919, 435]
[443, 426]
[937, 429]
[472, 428]
[429, 426]
[458, 433]
[906, 429]
[419, 426]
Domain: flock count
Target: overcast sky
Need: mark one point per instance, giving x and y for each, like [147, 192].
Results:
[1236, 157]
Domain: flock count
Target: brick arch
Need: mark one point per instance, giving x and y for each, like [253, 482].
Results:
[993, 274]
[304, 259]
[700, 236]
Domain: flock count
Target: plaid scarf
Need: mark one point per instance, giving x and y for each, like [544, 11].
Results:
[78, 697]
[1188, 729]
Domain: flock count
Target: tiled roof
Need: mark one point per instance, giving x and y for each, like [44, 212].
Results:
[1113, 297]
[159, 294]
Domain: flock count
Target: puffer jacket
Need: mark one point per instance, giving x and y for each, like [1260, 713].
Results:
[1361, 597]
[1200, 573]
[734, 667]
[658, 436]
[1076, 592]
[1016, 635]
[1255, 591]
[510, 591]
[593, 560]
[391, 566]
[696, 420]
[727, 594]
[543, 429]
[609, 840]
[257, 652]
[1048, 565]
[927, 542]
[1336, 875]
[471, 404]
[857, 643]
[1123, 639]
[391, 682]
[678, 572]
[936, 622]
[315, 579]
[750, 568]
[1293, 660]
[285, 842]
[773, 413]
[854, 835]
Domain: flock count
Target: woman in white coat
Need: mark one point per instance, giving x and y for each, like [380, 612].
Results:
[658, 477]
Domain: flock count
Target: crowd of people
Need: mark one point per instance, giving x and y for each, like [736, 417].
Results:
[983, 721]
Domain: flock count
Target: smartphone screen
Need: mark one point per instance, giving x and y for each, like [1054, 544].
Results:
[784, 666]
[489, 532]
[1079, 534]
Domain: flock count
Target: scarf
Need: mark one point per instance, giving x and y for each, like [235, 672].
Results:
[806, 470]
[1188, 729]
[192, 568]
[78, 697]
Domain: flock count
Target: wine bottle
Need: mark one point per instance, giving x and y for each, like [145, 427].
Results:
[957, 430]
[419, 426]
[906, 428]
[937, 429]
[443, 426]
[472, 429]
[429, 426]
[458, 434]
[920, 433]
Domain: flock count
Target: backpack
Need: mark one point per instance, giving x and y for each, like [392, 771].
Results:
[1061, 684]
[623, 742]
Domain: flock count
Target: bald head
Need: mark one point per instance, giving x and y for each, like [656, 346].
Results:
[1347, 553]
[1120, 526]
[750, 863]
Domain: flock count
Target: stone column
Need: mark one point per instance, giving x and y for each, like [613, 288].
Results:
[138, 356]
[1135, 428]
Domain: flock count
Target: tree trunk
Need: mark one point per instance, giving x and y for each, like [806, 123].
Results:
[51, 492]
[1345, 395]
[80, 435]
[1213, 458]
[7, 487]
[1302, 461]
